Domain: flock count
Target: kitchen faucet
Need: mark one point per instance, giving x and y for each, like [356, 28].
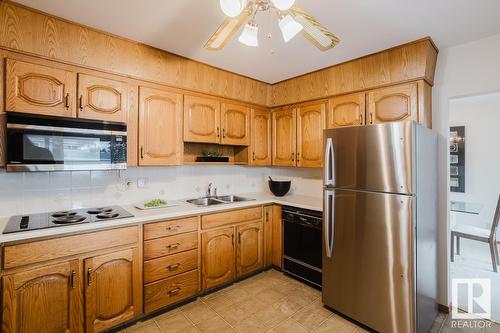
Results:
[211, 190]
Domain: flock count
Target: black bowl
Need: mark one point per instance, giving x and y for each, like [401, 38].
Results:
[279, 188]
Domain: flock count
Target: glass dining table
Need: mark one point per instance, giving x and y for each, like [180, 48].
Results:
[464, 208]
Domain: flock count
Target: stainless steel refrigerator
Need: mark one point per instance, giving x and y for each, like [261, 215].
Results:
[380, 225]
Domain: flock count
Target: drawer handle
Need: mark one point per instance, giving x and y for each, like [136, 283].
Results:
[218, 132]
[173, 267]
[174, 291]
[80, 103]
[173, 246]
[371, 118]
[173, 227]
[66, 101]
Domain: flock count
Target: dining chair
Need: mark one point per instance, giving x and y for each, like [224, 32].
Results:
[478, 234]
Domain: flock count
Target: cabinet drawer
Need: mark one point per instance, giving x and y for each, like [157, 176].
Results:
[164, 292]
[164, 267]
[39, 251]
[235, 216]
[169, 245]
[169, 228]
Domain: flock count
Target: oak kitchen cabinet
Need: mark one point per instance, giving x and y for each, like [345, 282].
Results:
[232, 245]
[112, 289]
[298, 135]
[261, 138]
[206, 120]
[284, 137]
[102, 98]
[160, 127]
[58, 297]
[394, 103]
[39, 89]
[43, 300]
[347, 110]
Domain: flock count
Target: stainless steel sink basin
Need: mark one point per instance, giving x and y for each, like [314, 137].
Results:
[223, 199]
[204, 201]
[232, 198]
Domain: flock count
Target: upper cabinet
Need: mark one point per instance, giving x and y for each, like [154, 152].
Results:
[260, 151]
[310, 125]
[347, 110]
[394, 103]
[201, 119]
[39, 89]
[160, 127]
[102, 99]
[235, 124]
[284, 137]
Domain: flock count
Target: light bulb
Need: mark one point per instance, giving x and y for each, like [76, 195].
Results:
[283, 4]
[249, 34]
[289, 27]
[232, 8]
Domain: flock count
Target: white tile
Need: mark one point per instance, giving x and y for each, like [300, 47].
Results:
[36, 181]
[80, 179]
[36, 201]
[59, 180]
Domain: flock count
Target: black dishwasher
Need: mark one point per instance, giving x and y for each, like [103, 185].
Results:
[302, 247]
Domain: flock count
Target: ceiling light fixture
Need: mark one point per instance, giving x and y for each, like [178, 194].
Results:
[249, 35]
[232, 8]
[283, 4]
[289, 27]
[291, 21]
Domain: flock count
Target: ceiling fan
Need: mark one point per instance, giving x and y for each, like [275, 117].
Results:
[291, 21]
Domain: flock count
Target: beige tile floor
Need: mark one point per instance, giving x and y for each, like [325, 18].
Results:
[267, 302]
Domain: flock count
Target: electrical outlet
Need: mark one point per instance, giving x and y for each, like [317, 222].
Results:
[141, 182]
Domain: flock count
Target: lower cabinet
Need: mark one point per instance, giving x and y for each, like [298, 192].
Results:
[43, 300]
[112, 289]
[51, 298]
[231, 252]
[217, 248]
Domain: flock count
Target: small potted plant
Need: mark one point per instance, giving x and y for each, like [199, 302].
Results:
[212, 156]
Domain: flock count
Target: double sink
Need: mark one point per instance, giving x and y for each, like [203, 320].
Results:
[217, 200]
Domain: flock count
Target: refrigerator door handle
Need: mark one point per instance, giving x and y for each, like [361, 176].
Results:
[329, 221]
[329, 156]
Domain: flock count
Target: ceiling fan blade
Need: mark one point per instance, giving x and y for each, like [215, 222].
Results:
[227, 30]
[313, 30]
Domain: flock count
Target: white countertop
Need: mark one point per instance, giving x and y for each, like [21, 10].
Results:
[151, 215]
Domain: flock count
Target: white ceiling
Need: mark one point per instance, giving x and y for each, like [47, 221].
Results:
[363, 26]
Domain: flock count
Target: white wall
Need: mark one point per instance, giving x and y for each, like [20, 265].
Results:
[481, 117]
[464, 70]
[22, 193]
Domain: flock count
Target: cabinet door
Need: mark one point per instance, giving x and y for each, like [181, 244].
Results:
[249, 256]
[218, 258]
[160, 127]
[112, 289]
[310, 125]
[347, 110]
[284, 137]
[201, 119]
[261, 138]
[235, 124]
[393, 104]
[102, 99]
[43, 300]
[268, 236]
[39, 89]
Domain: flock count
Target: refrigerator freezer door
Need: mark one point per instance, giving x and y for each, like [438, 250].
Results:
[373, 158]
[369, 274]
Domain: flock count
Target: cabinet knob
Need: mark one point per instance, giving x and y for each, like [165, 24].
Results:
[218, 132]
[223, 133]
[80, 103]
[142, 153]
[371, 118]
[298, 157]
[73, 279]
[89, 276]
[173, 227]
[253, 156]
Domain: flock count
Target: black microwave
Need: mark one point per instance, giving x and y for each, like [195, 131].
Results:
[47, 143]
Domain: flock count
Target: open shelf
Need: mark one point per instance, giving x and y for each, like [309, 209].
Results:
[238, 155]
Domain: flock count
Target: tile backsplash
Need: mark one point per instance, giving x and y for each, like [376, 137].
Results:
[23, 193]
